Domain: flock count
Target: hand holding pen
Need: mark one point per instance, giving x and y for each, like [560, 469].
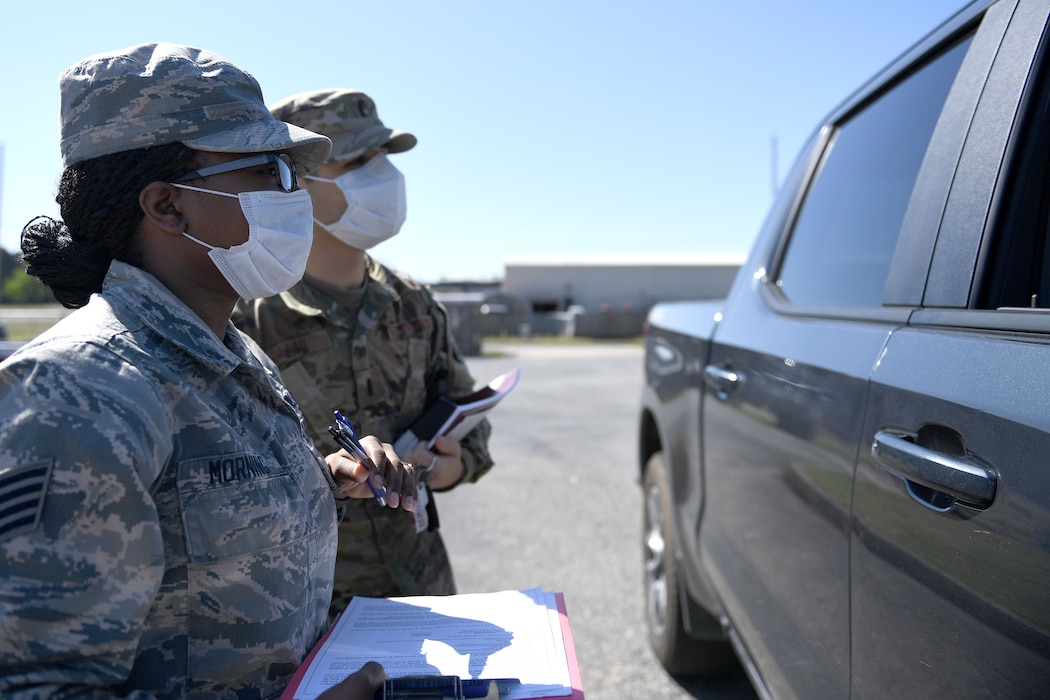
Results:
[389, 480]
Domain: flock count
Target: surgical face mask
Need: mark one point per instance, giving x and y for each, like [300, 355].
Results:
[375, 203]
[280, 232]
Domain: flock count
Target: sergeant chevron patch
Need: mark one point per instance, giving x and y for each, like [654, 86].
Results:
[22, 492]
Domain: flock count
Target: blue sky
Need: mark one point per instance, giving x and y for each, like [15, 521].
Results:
[548, 129]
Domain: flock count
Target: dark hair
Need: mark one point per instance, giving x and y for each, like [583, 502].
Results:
[99, 201]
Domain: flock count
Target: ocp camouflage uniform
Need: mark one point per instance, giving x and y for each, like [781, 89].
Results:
[381, 369]
[166, 527]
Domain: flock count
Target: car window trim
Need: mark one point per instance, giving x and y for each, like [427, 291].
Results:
[1005, 320]
[969, 214]
[875, 314]
[913, 256]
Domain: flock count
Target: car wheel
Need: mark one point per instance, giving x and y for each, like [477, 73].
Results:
[678, 652]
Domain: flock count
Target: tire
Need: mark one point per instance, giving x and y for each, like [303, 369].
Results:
[678, 652]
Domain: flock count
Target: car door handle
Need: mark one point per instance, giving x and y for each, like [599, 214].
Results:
[722, 381]
[961, 477]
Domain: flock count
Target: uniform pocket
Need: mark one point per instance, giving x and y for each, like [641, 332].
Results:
[235, 505]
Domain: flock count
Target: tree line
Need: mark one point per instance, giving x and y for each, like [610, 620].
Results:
[16, 287]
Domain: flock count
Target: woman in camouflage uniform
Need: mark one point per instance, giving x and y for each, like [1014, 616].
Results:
[167, 528]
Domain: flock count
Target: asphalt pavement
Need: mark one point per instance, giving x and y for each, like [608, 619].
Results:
[562, 510]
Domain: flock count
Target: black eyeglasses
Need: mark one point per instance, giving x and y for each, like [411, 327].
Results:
[284, 173]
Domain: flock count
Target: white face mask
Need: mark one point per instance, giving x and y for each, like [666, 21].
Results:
[375, 203]
[280, 232]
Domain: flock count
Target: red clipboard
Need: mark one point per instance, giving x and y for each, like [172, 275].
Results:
[297, 677]
[570, 651]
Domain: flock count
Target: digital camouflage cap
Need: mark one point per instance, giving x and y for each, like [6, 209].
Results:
[160, 93]
[348, 117]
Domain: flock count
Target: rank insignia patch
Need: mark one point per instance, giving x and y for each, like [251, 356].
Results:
[22, 492]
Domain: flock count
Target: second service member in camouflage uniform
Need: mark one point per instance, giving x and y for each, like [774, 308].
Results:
[358, 337]
[167, 528]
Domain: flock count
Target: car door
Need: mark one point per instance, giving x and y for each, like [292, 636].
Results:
[950, 541]
[789, 371]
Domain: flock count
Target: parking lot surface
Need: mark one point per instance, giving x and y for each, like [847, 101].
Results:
[561, 510]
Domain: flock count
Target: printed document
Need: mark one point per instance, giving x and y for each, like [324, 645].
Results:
[509, 634]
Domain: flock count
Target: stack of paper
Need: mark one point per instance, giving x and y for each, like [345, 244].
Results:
[522, 635]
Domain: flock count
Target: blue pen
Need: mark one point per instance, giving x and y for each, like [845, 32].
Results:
[346, 437]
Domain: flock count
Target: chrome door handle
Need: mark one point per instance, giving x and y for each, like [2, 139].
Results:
[961, 477]
[722, 381]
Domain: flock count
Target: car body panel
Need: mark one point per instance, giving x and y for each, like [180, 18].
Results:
[959, 593]
[673, 381]
[779, 457]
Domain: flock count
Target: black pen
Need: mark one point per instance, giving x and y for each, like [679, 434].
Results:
[427, 687]
[479, 687]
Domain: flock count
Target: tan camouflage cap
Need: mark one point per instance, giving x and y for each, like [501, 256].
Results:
[161, 93]
[348, 117]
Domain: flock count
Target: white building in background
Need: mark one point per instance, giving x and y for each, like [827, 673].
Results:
[602, 284]
[593, 296]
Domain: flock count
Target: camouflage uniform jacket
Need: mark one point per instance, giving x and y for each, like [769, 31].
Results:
[167, 529]
[381, 369]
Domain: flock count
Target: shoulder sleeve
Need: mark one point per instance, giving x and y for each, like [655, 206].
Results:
[82, 436]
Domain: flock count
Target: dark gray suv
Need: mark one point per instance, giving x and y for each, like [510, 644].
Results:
[846, 463]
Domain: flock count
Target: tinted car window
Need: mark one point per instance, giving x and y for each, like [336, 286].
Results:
[844, 236]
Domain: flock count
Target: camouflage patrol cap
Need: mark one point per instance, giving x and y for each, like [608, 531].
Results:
[161, 93]
[348, 117]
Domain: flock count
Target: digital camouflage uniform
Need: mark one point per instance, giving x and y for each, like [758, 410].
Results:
[381, 370]
[167, 528]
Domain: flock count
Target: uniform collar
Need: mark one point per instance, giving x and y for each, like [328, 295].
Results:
[311, 301]
[167, 316]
